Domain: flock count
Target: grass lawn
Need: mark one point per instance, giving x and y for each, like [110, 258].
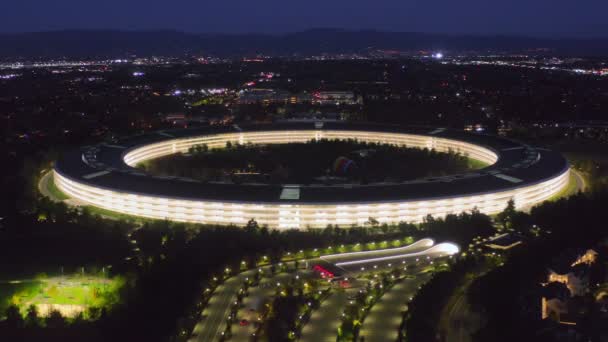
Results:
[477, 164]
[569, 190]
[54, 190]
[115, 215]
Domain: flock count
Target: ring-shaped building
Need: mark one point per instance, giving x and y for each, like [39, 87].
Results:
[104, 175]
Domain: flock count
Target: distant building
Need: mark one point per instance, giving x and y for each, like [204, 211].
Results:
[263, 96]
[278, 96]
[334, 98]
[300, 98]
[475, 128]
[313, 117]
[175, 118]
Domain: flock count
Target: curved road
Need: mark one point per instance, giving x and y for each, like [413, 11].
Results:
[325, 321]
[263, 293]
[383, 321]
[581, 183]
[214, 316]
[43, 187]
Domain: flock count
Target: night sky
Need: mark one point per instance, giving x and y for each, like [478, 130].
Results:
[580, 18]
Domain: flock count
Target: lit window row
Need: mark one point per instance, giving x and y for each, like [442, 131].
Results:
[304, 215]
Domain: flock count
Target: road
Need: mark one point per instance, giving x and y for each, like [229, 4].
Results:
[216, 312]
[325, 321]
[263, 293]
[581, 183]
[43, 187]
[214, 316]
[383, 321]
[460, 322]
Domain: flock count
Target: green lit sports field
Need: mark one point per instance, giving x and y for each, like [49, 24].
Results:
[69, 295]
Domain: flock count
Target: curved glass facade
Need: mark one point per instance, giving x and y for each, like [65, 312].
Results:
[305, 214]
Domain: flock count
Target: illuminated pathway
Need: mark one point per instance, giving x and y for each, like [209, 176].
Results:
[417, 246]
[383, 321]
[372, 262]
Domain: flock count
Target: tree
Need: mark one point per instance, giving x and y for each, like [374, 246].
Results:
[78, 319]
[13, 316]
[252, 226]
[385, 228]
[31, 318]
[506, 216]
[372, 222]
[55, 319]
[407, 228]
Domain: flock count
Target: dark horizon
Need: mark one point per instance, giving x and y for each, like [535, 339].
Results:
[542, 18]
[112, 43]
[546, 36]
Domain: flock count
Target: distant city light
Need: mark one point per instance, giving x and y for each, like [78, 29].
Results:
[9, 76]
[438, 55]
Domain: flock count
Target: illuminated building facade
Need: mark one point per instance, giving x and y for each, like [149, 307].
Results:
[104, 176]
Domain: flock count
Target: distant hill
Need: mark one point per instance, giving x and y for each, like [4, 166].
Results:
[102, 43]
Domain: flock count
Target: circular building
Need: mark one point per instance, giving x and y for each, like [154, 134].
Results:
[104, 176]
